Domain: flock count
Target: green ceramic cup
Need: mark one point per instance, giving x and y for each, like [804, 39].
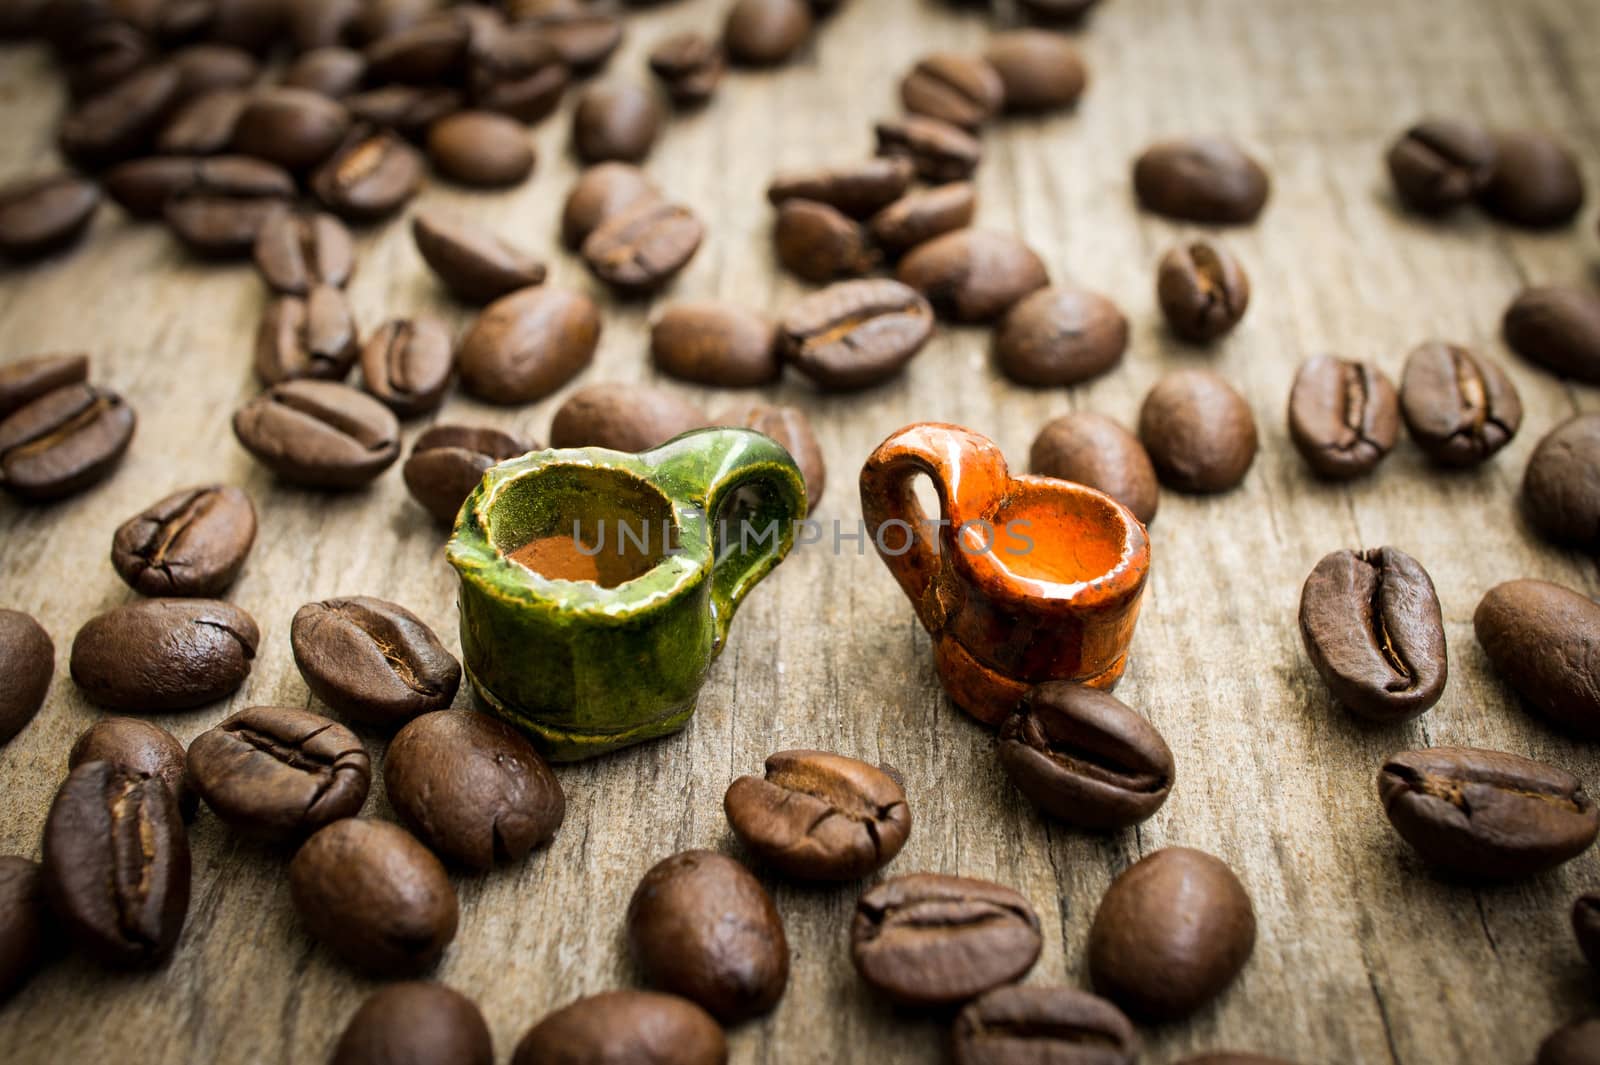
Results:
[598, 586]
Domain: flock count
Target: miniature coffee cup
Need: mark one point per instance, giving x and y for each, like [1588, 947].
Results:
[1031, 579]
[597, 586]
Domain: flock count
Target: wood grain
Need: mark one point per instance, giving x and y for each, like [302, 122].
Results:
[1363, 956]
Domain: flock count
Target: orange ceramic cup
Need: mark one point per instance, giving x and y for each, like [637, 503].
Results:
[1027, 579]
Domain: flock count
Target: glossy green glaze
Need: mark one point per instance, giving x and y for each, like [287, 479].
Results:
[584, 668]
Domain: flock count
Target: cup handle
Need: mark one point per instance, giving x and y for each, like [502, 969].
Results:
[970, 476]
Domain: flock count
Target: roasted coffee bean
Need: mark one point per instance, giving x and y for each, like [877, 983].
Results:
[963, 90]
[819, 816]
[191, 543]
[480, 148]
[518, 73]
[297, 252]
[141, 747]
[144, 187]
[311, 337]
[448, 461]
[332, 70]
[1535, 183]
[63, 442]
[644, 246]
[855, 334]
[472, 788]
[1557, 327]
[1199, 432]
[1486, 814]
[209, 66]
[918, 217]
[615, 122]
[371, 176]
[204, 125]
[27, 661]
[938, 151]
[1060, 336]
[1170, 934]
[763, 33]
[24, 380]
[1092, 449]
[819, 243]
[376, 19]
[122, 121]
[158, 655]
[715, 344]
[229, 202]
[415, 1022]
[857, 189]
[1586, 926]
[427, 51]
[973, 275]
[45, 214]
[102, 55]
[585, 40]
[1059, 1025]
[1374, 631]
[690, 66]
[1203, 291]
[626, 1026]
[373, 661]
[700, 926]
[623, 418]
[1460, 409]
[26, 926]
[1063, 11]
[1545, 640]
[789, 427]
[319, 434]
[319, 23]
[116, 865]
[930, 940]
[600, 192]
[1561, 488]
[374, 896]
[526, 345]
[1040, 71]
[1201, 179]
[1344, 416]
[474, 264]
[1574, 1043]
[407, 363]
[1440, 164]
[407, 109]
[295, 128]
[279, 773]
[1082, 756]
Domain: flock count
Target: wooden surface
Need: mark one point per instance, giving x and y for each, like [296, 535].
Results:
[1362, 956]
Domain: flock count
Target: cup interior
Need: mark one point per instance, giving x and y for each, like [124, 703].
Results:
[1059, 534]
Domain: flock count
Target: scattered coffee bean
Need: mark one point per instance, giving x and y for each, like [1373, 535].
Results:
[1561, 488]
[819, 816]
[1092, 449]
[374, 896]
[1344, 416]
[1171, 933]
[1440, 164]
[918, 217]
[158, 655]
[26, 926]
[1203, 291]
[220, 226]
[332, 70]
[371, 176]
[1071, 12]
[45, 214]
[526, 345]
[518, 73]
[700, 926]
[973, 275]
[204, 125]
[1201, 179]
[963, 90]
[101, 53]
[1535, 183]
[715, 344]
[145, 187]
[600, 192]
[429, 50]
[415, 1022]
[1041, 71]
[615, 122]
[641, 1026]
[63, 442]
[311, 337]
[448, 461]
[1574, 1043]
[297, 252]
[1557, 327]
[938, 151]
[1060, 336]
[1199, 432]
[140, 747]
[1043, 1024]
[1545, 640]
[24, 380]
[295, 128]
[480, 148]
[208, 66]
[789, 427]
[1486, 814]
[1460, 408]
[690, 66]
[319, 434]
[1373, 629]
[584, 39]
[1586, 926]
[116, 865]
[407, 109]
[857, 189]
[930, 940]
[27, 661]
[819, 243]
[855, 334]
[474, 264]
[279, 773]
[472, 788]
[641, 248]
[623, 418]
[121, 122]
[373, 661]
[407, 363]
[764, 33]
[191, 543]
[1083, 756]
